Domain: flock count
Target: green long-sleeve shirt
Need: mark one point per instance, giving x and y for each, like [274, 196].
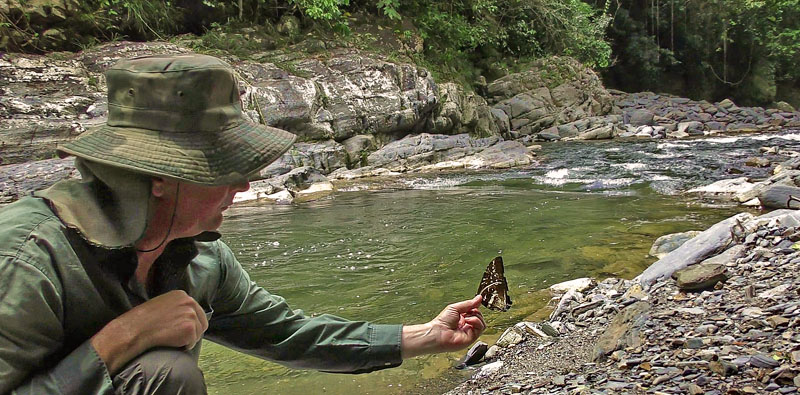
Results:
[57, 290]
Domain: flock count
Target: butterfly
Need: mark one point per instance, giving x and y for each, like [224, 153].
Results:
[494, 287]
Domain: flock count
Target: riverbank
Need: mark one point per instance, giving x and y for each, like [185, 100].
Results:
[731, 329]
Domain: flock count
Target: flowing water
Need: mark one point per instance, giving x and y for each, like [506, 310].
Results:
[400, 255]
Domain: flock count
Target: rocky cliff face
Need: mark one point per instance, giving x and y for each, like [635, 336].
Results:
[47, 100]
[352, 111]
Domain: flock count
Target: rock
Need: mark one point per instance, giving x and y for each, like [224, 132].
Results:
[599, 133]
[315, 191]
[723, 368]
[775, 293]
[357, 147]
[288, 25]
[475, 353]
[702, 246]
[462, 111]
[623, 331]
[258, 190]
[491, 353]
[578, 285]
[19, 180]
[690, 128]
[757, 161]
[727, 257]
[784, 106]
[780, 196]
[763, 361]
[549, 330]
[509, 338]
[776, 321]
[668, 243]
[281, 197]
[489, 369]
[700, 277]
[727, 104]
[416, 151]
[635, 292]
[785, 177]
[639, 117]
[540, 97]
[725, 188]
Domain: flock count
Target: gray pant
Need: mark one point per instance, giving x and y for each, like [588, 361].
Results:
[161, 371]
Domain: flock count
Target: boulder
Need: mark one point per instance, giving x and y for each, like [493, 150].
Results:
[709, 242]
[598, 133]
[510, 337]
[725, 188]
[785, 177]
[356, 148]
[475, 353]
[315, 191]
[690, 128]
[625, 330]
[578, 284]
[780, 196]
[700, 277]
[639, 117]
[668, 243]
[416, 151]
[461, 112]
[757, 161]
[784, 106]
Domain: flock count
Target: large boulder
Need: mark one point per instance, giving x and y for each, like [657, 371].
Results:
[424, 149]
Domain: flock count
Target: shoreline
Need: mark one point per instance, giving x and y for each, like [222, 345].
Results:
[739, 335]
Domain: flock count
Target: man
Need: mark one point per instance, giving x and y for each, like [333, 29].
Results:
[108, 284]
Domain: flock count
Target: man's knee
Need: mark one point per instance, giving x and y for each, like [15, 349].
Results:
[160, 372]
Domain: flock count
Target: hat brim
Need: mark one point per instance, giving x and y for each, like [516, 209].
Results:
[229, 156]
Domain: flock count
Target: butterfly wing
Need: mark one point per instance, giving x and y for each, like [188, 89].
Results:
[494, 287]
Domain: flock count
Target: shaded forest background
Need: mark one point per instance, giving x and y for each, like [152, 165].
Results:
[747, 50]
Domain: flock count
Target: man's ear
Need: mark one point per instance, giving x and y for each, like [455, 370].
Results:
[158, 187]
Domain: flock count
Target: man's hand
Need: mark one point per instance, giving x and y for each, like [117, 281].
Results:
[173, 319]
[456, 327]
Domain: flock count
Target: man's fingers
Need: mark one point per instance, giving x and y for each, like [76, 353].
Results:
[467, 305]
[475, 322]
[201, 318]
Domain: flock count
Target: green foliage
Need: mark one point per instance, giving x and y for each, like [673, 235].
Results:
[328, 10]
[719, 45]
[515, 28]
[389, 8]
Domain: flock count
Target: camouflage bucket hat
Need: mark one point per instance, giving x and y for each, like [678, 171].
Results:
[179, 116]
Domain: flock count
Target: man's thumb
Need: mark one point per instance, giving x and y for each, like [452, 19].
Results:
[467, 305]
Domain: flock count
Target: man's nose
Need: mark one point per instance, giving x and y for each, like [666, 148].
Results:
[241, 187]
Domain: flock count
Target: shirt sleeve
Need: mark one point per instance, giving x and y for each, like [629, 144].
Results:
[251, 320]
[31, 337]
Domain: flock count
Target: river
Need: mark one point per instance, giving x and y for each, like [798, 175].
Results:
[400, 255]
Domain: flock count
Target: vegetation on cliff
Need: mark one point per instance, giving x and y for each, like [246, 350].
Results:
[711, 49]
